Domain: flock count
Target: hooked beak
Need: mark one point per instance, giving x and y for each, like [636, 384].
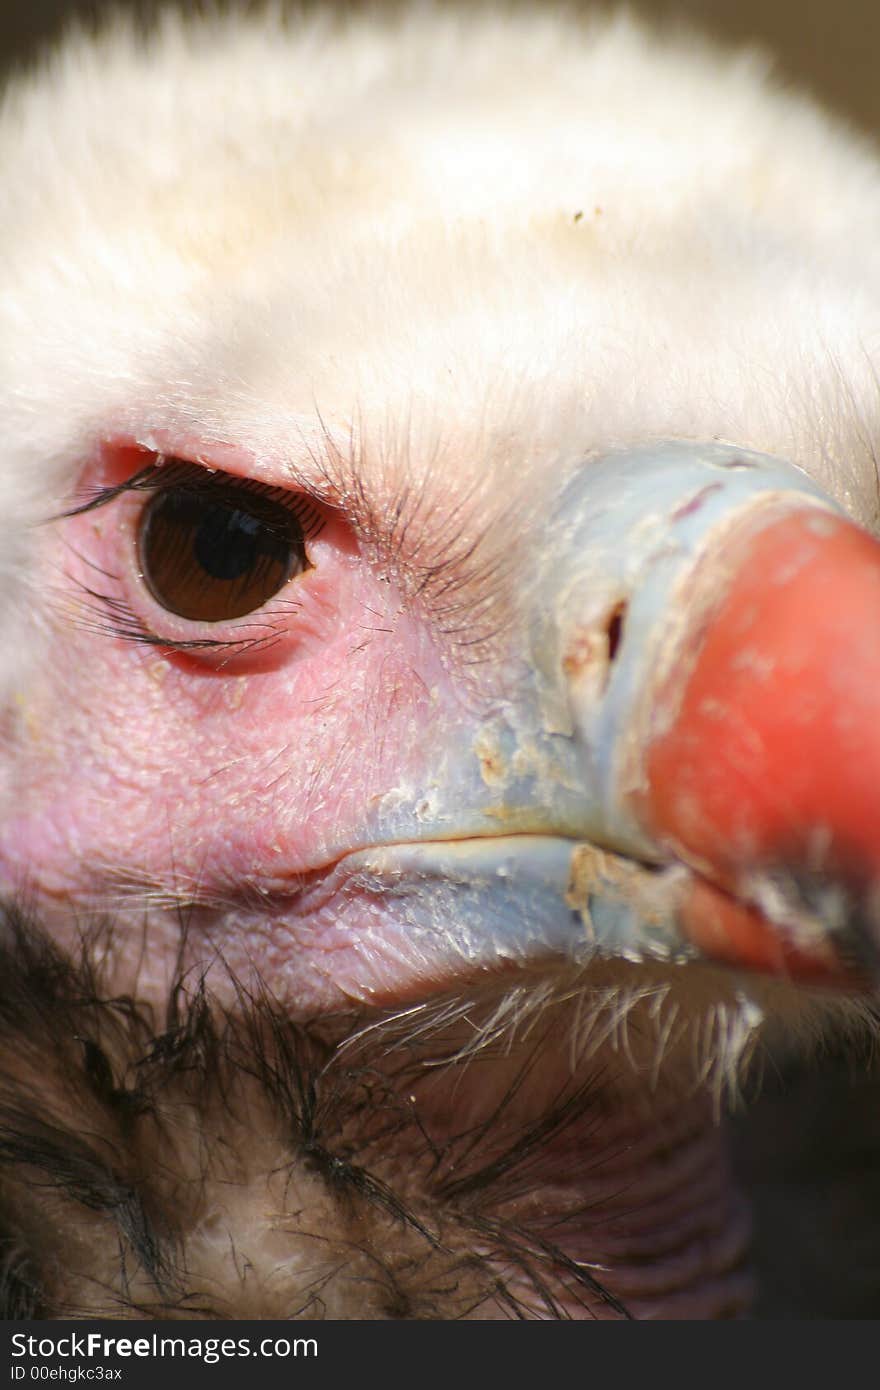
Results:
[687, 763]
[747, 747]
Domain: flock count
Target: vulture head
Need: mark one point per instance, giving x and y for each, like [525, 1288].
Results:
[440, 659]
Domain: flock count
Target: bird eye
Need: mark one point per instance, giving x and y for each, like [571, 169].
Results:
[215, 548]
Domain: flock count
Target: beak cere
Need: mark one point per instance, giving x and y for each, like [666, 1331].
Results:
[737, 741]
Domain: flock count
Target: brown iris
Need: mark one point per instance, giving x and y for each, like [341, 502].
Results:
[218, 548]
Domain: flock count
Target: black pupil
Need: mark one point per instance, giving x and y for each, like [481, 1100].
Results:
[228, 544]
[217, 550]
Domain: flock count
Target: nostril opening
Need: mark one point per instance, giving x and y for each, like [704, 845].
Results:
[591, 649]
[614, 630]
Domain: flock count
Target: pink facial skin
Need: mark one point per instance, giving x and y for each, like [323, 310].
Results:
[215, 784]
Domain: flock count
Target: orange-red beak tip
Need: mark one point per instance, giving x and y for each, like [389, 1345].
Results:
[767, 766]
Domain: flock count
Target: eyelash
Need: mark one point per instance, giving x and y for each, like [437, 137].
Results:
[166, 474]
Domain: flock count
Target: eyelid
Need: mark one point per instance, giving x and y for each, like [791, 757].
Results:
[162, 472]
